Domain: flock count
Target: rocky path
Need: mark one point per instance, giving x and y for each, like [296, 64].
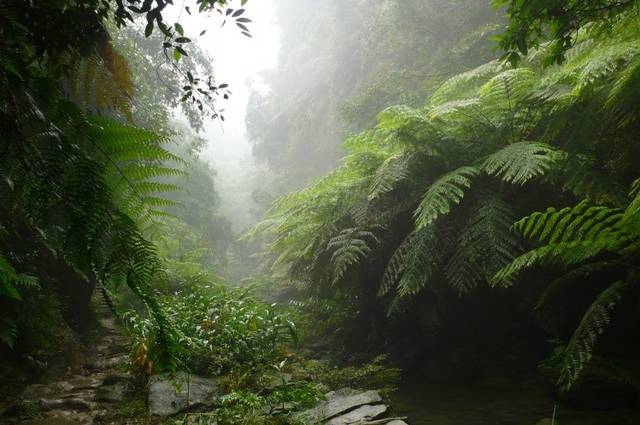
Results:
[96, 390]
[86, 393]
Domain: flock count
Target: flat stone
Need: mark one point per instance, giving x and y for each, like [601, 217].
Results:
[397, 422]
[76, 404]
[42, 391]
[338, 402]
[80, 382]
[361, 414]
[173, 393]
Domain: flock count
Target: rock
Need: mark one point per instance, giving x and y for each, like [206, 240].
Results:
[173, 393]
[361, 414]
[44, 391]
[76, 404]
[112, 393]
[80, 382]
[338, 402]
[396, 422]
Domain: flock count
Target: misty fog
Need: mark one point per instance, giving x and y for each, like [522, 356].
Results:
[288, 212]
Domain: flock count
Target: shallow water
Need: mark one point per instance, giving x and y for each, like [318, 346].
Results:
[426, 404]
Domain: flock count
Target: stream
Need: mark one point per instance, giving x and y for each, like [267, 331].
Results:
[496, 404]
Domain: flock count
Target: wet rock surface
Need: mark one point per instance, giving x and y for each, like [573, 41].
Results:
[174, 393]
[84, 394]
[349, 407]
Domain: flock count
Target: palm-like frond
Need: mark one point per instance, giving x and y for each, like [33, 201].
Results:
[412, 264]
[393, 170]
[520, 162]
[349, 247]
[593, 324]
[484, 245]
[443, 194]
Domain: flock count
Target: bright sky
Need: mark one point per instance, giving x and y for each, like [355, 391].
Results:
[238, 61]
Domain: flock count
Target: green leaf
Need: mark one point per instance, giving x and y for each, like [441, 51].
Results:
[148, 29]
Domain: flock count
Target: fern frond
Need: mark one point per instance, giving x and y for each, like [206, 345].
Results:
[349, 247]
[485, 244]
[578, 223]
[408, 126]
[443, 194]
[593, 324]
[412, 264]
[464, 84]
[563, 253]
[623, 96]
[391, 171]
[522, 161]
[579, 175]
[507, 88]
[632, 212]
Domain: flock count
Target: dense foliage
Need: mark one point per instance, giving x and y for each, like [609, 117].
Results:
[510, 181]
[219, 330]
[84, 188]
[433, 192]
[341, 63]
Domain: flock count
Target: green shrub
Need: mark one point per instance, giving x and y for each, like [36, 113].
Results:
[245, 407]
[215, 330]
[371, 375]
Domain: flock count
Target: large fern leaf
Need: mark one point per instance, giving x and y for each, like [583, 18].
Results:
[349, 247]
[593, 324]
[443, 194]
[412, 264]
[484, 245]
[520, 162]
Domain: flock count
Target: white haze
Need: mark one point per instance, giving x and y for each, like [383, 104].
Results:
[237, 61]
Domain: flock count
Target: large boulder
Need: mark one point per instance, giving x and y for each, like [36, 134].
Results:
[172, 393]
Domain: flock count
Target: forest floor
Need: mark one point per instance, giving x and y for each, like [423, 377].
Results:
[93, 389]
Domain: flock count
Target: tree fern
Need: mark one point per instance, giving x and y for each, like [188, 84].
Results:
[520, 162]
[464, 84]
[443, 194]
[507, 88]
[633, 210]
[572, 235]
[390, 172]
[484, 245]
[349, 247]
[623, 96]
[593, 324]
[412, 264]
